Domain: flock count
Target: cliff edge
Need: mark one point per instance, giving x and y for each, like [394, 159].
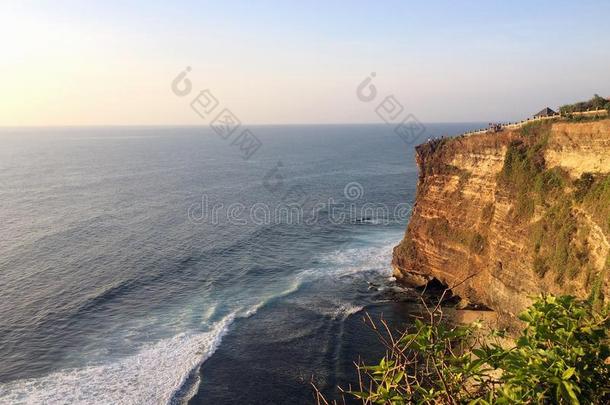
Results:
[502, 216]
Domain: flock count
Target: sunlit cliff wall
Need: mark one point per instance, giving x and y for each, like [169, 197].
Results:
[502, 216]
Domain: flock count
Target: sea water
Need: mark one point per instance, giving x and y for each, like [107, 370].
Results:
[160, 265]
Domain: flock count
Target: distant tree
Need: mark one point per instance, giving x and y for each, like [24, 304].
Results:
[565, 109]
[597, 102]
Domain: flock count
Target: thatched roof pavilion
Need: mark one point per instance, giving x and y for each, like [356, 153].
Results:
[547, 112]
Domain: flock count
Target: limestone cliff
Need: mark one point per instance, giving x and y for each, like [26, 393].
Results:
[503, 216]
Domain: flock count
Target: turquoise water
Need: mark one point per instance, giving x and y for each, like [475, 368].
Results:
[119, 285]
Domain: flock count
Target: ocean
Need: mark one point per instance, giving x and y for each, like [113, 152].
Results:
[152, 265]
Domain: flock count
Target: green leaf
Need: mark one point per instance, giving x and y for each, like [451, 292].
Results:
[399, 377]
[568, 373]
[359, 394]
[571, 394]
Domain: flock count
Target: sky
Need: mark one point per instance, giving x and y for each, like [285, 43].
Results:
[297, 62]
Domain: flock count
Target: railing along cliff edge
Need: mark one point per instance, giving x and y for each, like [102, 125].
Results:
[517, 125]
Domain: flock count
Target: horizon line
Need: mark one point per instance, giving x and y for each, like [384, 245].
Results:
[59, 126]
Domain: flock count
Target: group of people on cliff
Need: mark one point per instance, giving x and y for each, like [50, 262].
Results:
[494, 127]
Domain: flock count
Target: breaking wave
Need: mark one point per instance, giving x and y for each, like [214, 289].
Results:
[153, 375]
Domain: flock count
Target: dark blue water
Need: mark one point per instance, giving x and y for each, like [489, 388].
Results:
[153, 265]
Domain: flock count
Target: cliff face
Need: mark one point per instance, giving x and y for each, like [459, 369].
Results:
[501, 217]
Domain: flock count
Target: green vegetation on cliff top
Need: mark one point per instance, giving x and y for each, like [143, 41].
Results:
[595, 103]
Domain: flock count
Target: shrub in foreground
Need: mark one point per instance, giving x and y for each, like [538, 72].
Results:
[559, 358]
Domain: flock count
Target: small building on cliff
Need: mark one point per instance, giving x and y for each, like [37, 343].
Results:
[547, 112]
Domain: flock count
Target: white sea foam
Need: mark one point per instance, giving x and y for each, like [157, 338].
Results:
[348, 262]
[337, 310]
[152, 376]
[357, 260]
[159, 370]
[296, 284]
[346, 310]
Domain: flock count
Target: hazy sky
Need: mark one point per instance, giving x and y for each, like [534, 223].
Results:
[112, 62]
